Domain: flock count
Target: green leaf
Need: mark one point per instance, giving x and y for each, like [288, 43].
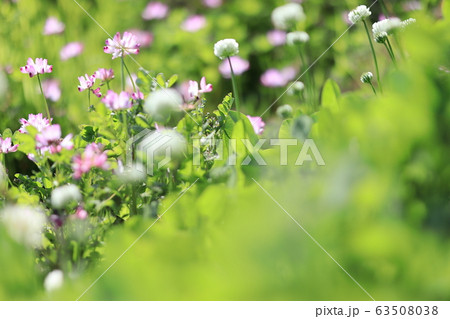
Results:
[26, 143]
[330, 95]
[285, 129]
[160, 80]
[173, 79]
[301, 127]
[88, 133]
[7, 133]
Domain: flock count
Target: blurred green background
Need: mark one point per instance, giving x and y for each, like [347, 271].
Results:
[380, 206]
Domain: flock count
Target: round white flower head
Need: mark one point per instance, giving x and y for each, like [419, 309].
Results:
[24, 224]
[367, 77]
[297, 37]
[161, 104]
[226, 48]
[286, 16]
[63, 195]
[358, 14]
[135, 174]
[54, 280]
[295, 87]
[165, 145]
[408, 22]
[385, 27]
[284, 111]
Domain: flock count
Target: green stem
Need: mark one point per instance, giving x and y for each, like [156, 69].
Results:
[373, 54]
[125, 122]
[309, 81]
[129, 74]
[133, 200]
[89, 98]
[235, 91]
[371, 85]
[384, 9]
[45, 100]
[392, 51]
[123, 73]
[107, 85]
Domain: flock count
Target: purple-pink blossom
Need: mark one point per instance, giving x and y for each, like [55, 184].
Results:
[212, 3]
[137, 96]
[120, 47]
[38, 121]
[104, 75]
[6, 146]
[116, 101]
[257, 123]
[53, 26]
[93, 156]
[144, 38]
[49, 139]
[86, 82]
[277, 78]
[155, 10]
[33, 68]
[194, 23]
[276, 37]
[239, 66]
[194, 91]
[52, 90]
[81, 213]
[71, 50]
[97, 92]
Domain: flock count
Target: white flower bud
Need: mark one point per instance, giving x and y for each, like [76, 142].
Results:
[358, 14]
[161, 104]
[54, 280]
[367, 77]
[287, 16]
[24, 224]
[226, 48]
[297, 37]
[63, 195]
[284, 111]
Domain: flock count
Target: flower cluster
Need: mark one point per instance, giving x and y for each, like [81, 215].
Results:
[6, 146]
[194, 90]
[38, 121]
[359, 14]
[116, 102]
[39, 66]
[226, 48]
[50, 139]
[120, 47]
[383, 28]
[93, 156]
[286, 16]
[297, 37]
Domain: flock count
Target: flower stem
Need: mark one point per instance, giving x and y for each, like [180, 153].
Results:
[89, 98]
[310, 82]
[129, 74]
[125, 123]
[123, 73]
[373, 54]
[235, 91]
[392, 51]
[107, 85]
[371, 85]
[45, 100]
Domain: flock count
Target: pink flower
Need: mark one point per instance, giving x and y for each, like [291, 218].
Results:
[49, 139]
[6, 146]
[194, 91]
[116, 101]
[144, 38]
[239, 66]
[194, 23]
[93, 156]
[104, 75]
[257, 123]
[212, 3]
[53, 26]
[137, 95]
[51, 90]
[97, 92]
[86, 82]
[120, 47]
[38, 67]
[81, 213]
[71, 50]
[37, 121]
[277, 78]
[155, 10]
[276, 37]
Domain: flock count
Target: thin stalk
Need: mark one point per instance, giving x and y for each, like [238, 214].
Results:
[89, 98]
[392, 51]
[107, 85]
[45, 100]
[125, 123]
[123, 73]
[129, 74]
[133, 200]
[310, 82]
[371, 85]
[384, 9]
[373, 54]
[235, 90]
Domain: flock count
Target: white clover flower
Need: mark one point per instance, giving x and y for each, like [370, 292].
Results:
[284, 111]
[24, 224]
[408, 22]
[381, 37]
[287, 16]
[135, 174]
[226, 48]
[367, 77]
[385, 26]
[54, 280]
[295, 87]
[161, 104]
[358, 14]
[297, 37]
[63, 195]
